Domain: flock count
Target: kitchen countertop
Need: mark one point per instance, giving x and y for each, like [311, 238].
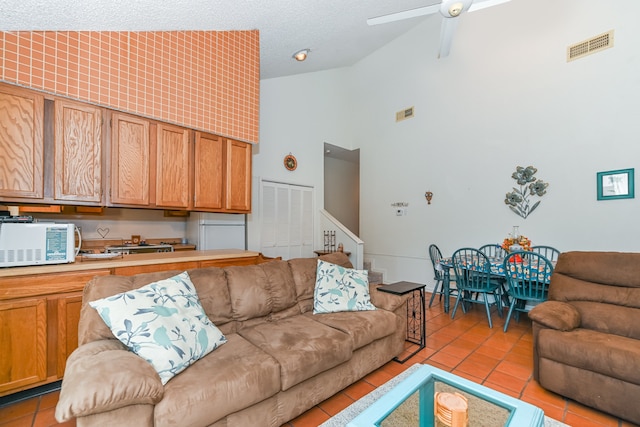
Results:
[130, 260]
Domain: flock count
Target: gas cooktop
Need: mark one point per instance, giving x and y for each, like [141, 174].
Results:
[128, 249]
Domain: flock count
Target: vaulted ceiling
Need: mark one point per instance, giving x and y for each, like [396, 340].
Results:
[336, 31]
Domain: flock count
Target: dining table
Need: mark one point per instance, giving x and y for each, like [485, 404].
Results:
[497, 270]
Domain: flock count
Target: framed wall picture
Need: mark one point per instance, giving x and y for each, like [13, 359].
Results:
[618, 184]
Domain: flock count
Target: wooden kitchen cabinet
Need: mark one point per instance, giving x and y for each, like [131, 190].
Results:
[149, 156]
[222, 174]
[130, 160]
[173, 154]
[49, 153]
[23, 343]
[66, 334]
[238, 176]
[21, 143]
[208, 170]
[78, 152]
[56, 151]
[39, 326]
[39, 313]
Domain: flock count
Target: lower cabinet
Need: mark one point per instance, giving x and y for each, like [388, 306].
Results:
[23, 343]
[36, 337]
[66, 333]
[39, 326]
[39, 317]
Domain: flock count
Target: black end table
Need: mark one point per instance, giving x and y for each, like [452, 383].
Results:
[416, 328]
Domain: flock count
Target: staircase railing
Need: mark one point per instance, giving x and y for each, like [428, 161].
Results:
[350, 241]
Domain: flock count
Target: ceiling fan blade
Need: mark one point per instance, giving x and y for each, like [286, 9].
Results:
[449, 26]
[398, 16]
[482, 4]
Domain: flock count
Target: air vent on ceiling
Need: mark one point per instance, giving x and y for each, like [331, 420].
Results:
[587, 47]
[404, 114]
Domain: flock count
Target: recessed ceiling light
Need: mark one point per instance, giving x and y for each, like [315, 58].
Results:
[301, 55]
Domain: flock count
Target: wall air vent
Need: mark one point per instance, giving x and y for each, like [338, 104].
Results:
[587, 47]
[404, 114]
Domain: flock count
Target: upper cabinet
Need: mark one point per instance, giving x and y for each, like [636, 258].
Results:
[62, 152]
[130, 160]
[173, 164]
[208, 189]
[78, 152]
[238, 176]
[150, 163]
[21, 143]
[222, 174]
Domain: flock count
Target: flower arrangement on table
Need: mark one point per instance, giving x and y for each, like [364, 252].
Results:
[521, 240]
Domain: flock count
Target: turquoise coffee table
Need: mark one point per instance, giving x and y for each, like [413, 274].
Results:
[411, 402]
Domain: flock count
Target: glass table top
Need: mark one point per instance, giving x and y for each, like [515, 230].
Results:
[411, 403]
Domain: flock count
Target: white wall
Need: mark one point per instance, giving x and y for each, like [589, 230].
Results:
[298, 115]
[504, 97]
[342, 191]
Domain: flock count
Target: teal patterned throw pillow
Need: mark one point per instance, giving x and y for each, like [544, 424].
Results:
[340, 289]
[162, 322]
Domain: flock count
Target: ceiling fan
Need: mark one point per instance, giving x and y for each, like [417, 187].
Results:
[450, 11]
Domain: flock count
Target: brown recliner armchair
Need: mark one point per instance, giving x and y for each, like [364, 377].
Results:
[586, 337]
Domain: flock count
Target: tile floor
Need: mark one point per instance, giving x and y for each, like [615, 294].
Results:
[465, 346]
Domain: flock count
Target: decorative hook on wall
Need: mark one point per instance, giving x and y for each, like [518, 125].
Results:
[428, 195]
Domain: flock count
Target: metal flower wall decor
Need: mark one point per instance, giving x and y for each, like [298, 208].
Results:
[519, 200]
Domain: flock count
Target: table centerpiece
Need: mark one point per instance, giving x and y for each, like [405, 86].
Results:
[523, 241]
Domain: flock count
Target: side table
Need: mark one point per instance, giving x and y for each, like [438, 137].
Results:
[416, 328]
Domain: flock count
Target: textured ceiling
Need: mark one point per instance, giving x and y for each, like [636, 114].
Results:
[335, 30]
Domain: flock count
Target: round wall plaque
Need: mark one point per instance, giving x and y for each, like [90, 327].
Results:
[290, 162]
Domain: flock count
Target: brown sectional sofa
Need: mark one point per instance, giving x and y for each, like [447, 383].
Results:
[279, 361]
[587, 336]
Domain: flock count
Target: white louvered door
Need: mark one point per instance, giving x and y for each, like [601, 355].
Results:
[286, 211]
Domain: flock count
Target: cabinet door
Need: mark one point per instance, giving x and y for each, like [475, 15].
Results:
[208, 172]
[67, 332]
[23, 343]
[129, 160]
[21, 143]
[238, 175]
[172, 167]
[78, 152]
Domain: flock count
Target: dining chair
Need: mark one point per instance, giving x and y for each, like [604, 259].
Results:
[527, 274]
[473, 275]
[493, 250]
[438, 274]
[548, 252]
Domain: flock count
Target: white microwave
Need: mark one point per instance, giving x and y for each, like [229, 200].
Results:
[36, 243]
